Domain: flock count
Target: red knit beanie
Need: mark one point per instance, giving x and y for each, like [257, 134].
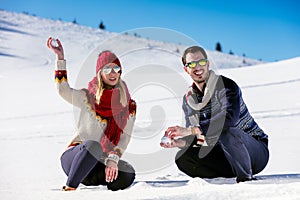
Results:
[106, 57]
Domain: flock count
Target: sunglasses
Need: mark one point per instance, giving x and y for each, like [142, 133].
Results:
[108, 69]
[193, 64]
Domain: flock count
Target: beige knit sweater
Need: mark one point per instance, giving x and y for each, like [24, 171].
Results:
[90, 126]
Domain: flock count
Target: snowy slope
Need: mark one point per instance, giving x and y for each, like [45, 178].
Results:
[36, 124]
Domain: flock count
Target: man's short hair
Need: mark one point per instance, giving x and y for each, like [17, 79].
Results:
[193, 49]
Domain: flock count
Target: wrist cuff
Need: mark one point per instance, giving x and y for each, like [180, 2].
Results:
[201, 140]
[113, 157]
[60, 65]
[200, 137]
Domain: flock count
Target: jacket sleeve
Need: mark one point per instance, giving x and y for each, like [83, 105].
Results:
[228, 97]
[63, 88]
[185, 110]
[126, 135]
[190, 139]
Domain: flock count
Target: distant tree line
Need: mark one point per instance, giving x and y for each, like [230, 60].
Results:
[103, 27]
[219, 49]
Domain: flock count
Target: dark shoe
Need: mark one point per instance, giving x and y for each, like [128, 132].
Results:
[245, 179]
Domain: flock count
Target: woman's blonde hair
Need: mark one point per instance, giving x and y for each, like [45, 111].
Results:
[100, 89]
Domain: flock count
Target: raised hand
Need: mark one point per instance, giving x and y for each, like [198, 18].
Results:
[58, 50]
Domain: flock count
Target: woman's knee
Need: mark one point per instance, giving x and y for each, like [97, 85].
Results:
[94, 148]
[92, 145]
[125, 178]
[124, 166]
[123, 183]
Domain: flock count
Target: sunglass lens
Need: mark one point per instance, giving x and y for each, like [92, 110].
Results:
[107, 70]
[117, 68]
[192, 64]
[202, 62]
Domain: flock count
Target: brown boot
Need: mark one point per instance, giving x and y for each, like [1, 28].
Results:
[67, 188]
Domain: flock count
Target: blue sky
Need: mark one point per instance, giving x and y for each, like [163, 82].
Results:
[267, 30]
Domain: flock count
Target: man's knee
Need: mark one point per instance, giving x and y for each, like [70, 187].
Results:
[230, 130]
[181, 157]
[230, 135]
[184, 160]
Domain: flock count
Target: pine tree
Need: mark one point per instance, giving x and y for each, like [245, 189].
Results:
[218, 47]
[101, 25]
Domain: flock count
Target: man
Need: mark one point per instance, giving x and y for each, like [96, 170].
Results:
[221, 138]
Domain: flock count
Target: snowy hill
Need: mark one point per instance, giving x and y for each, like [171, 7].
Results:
[36, 124]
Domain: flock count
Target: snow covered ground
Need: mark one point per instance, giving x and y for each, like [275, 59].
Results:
[36, 124]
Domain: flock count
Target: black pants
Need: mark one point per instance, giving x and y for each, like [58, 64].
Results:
[236, 154]
[84, 164]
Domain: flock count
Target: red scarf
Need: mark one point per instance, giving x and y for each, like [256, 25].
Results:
[112, 110]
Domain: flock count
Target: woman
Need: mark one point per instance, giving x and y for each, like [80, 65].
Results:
[107, 115]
